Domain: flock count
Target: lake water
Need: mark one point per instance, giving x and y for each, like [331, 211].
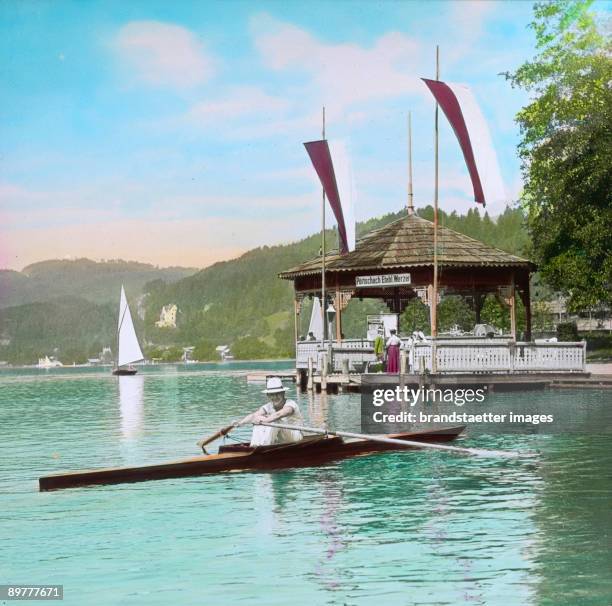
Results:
[402, 528]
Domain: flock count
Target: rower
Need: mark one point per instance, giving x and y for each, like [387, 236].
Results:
[277, 407]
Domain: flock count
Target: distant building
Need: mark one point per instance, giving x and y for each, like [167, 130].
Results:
[188, 354]
[555, 311]
[106, 355]
[167, 317]
[49, 362]
[224, 352]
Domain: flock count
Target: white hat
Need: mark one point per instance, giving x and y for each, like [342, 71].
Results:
[274, 385]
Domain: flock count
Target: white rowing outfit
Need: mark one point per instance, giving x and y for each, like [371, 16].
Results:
[266, 436]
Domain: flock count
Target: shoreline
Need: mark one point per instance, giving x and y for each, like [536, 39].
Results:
[102, 366]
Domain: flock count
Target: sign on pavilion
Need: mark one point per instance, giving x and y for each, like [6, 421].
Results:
[382, 280]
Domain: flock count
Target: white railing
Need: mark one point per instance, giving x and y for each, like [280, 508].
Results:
[453, 356]
[358, 352]
[305, 350]
[495, 357]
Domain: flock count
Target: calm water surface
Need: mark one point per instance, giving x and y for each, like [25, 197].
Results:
[403, 528]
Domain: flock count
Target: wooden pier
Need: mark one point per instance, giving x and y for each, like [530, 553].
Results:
[260, 376]
[493, 383]
[349, 378]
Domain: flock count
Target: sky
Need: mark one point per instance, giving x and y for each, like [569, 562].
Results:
[171, 132]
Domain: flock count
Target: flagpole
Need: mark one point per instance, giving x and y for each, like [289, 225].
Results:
[323, 302]
[434, 301]
[410, 194]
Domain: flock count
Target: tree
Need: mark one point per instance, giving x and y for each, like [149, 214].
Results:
[205, 351]
[565, 151]
[452, 310]
[415, 317]
[251, 348]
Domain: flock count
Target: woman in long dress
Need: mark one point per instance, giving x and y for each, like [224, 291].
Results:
[393, 348]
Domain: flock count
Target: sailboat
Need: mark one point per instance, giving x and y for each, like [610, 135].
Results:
[128, 348]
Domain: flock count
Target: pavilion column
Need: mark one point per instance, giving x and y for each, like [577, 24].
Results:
[341, 300]
[479, 300]
[433, 311]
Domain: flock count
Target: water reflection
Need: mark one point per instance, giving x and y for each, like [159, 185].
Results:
[317, 406]
[131, 399]
[335, 539]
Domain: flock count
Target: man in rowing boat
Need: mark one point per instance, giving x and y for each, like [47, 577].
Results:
[277, 409]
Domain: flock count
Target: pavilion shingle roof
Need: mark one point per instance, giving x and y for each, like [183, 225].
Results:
[408, 242]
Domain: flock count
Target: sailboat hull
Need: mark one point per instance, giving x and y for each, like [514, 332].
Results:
[123, 372]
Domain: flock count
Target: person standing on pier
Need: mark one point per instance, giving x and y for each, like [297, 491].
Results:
[379, 347]
[393, 348]
[278, 408]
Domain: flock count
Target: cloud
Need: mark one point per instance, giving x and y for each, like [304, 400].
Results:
[163, 55]
[305, 124]
[469, 15]
[343, 74]
[244, 101]
[23, 208]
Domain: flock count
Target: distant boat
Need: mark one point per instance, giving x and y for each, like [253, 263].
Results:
[128, 348]
[48, 362]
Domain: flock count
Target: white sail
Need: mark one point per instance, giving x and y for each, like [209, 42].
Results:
[129, 349]
[316, 320]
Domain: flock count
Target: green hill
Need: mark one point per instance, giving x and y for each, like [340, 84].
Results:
[69, 327]
[98, 282]
[241, 303]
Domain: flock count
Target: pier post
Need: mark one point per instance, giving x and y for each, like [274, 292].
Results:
[302, 377]
[345, 367]
[309, 382]
[324, 372]
[345, 374]
[402, 369]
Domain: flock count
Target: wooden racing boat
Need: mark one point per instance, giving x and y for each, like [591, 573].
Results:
[310, 451]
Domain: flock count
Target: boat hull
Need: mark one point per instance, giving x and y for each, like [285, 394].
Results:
[308, 452]
[124, 372]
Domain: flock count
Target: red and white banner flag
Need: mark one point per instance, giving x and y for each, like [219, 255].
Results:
[320, 157]
[346, 188]
[461, 109]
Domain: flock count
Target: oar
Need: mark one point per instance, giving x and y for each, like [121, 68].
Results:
[222, 432]
[384, 440]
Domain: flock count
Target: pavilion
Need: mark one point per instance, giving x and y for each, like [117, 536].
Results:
[395, 263]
